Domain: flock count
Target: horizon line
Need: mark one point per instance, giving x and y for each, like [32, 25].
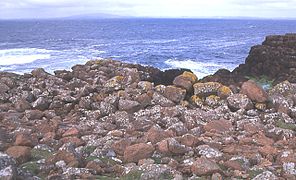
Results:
[84, 17]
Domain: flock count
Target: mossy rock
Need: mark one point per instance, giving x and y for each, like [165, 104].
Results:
[157, 160]
[88, 149]
[38, 154]
[166, 176]
[283, 125]
[132, 175]
[91, 158]
[254, 173]
[265, 82]
[104, 178]
[31, 167]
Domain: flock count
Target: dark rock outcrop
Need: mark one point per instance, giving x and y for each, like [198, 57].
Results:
[275, 59]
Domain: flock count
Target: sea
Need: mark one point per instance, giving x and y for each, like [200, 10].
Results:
[202, 45]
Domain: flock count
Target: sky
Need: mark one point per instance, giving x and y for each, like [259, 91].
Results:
[18, 9]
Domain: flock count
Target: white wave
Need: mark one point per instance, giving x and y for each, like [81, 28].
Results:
[217, 44]
[200, 69]
[22, 55]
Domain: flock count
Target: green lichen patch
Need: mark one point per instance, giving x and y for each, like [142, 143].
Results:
[38, 154]
[264, 81]
[254, 173]
[166, 176]
[31, 167]
[135, 174]
[284, 125]
[88, 149]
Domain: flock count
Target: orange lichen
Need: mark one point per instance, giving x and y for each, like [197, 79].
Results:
[192, 77]
[224, 92]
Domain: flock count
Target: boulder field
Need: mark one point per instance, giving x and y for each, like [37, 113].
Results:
[111, 120]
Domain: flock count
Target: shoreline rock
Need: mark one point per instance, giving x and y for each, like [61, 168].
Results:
[274, 59]
[109, 119]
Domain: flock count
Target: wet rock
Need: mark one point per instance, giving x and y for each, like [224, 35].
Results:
[174, 94]
[22, 154]
[254, 91]
[205, 167]
[138, 151]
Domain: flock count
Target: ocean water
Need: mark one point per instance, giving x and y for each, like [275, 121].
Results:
[202, 45]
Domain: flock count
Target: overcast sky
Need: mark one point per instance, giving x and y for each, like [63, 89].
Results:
[11, 9]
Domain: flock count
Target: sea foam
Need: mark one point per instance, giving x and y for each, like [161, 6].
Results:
[201, 69]
[22, 55]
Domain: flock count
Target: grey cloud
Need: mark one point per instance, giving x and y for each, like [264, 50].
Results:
[62, 8]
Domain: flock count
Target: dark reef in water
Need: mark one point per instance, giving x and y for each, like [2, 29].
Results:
[112, 120]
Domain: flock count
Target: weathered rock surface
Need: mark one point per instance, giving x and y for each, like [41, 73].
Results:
[137, 152]
[254, 91]
[108, 119]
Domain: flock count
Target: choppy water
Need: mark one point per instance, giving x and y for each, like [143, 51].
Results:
[201, 45]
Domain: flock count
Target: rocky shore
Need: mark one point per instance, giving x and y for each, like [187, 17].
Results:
[111, 120]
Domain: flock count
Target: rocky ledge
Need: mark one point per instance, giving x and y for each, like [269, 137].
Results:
[274, 59]
[111, 120]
